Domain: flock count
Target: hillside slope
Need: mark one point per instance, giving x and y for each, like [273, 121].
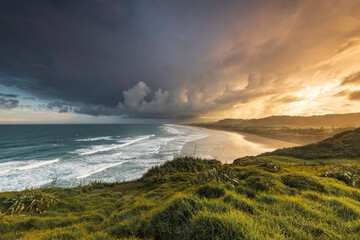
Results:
[336, 120]
[267, 197]
[295, 129]
[342, 145]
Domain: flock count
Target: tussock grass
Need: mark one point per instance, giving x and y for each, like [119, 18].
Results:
[211, 191]
[219, 173]
[31, 200]
[302, 182]
[179, 165]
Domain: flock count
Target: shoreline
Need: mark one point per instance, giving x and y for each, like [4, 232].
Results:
[296, 139]
[226, 146]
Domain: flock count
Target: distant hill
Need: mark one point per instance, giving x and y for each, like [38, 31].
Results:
[296, 129]
[342, 145]
[336, 120]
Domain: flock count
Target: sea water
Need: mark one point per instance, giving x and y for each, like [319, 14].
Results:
[33, 155]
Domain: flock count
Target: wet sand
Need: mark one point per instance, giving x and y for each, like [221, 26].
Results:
[228, 146]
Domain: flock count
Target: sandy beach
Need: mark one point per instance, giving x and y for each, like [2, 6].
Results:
[228, 146]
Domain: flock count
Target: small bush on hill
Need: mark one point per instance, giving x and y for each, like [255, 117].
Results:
[34, 200]
[349, 174]
[271, 167]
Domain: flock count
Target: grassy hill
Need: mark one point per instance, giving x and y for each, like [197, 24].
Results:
[336, 120]
[295, 129]
[263, 197]
[342, 145]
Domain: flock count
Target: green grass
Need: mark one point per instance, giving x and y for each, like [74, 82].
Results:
[299, 134]
[342, 145]
[274, 197]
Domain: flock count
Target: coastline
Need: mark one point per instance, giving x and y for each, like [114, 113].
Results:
[226, 146]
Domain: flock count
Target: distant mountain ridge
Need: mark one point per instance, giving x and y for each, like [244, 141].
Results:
[336, 120]
[342, 145]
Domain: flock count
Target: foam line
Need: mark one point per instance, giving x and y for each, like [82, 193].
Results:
[31, 166]
[100, 170]
[105, 149]
[7, 163]
[94, 139]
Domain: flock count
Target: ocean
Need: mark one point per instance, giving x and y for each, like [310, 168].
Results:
[33, 155]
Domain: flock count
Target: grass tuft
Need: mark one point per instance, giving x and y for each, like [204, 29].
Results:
[31, 200]
[302, 182]
[210, 191]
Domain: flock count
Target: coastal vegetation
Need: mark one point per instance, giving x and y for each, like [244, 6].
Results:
[342, 145]
[295, 129]
[271, 196]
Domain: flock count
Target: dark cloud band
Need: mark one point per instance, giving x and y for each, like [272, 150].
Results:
[170, 59]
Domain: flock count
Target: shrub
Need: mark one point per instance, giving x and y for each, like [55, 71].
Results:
[271, 167]
[210, 191]
[302, 182]
[34, 200]
[349, 174]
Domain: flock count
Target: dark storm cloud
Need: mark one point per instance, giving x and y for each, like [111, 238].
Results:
[8, 95]
[166, 59]
[93, 51]
[90, 51]
[8, 101]
[8, 104]
[29, 98]
[59, 106]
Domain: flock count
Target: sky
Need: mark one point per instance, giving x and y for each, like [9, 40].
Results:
[113, 61]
